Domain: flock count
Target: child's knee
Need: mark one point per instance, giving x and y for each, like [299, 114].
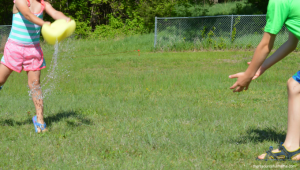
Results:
[293, 86]
[2, 81]
[33, 84]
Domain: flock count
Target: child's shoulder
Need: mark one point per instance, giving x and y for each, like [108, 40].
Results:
[280, 1]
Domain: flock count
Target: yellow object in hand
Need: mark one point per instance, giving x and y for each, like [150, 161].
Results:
[58, 30]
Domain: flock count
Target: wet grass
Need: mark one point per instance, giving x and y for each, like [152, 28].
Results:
[114, 109]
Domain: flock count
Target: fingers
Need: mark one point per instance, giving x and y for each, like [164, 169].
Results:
[247, 88]
[234, 86]
[238, 89]
[47, 22]
[235, 75]
[248, 63]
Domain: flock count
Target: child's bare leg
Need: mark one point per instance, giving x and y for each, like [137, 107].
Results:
[293, 132]
[36, 93]
[4, 74]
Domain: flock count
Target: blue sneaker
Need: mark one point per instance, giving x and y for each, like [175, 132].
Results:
[1, 87]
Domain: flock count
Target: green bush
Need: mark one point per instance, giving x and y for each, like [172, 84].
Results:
[83, 29]
[261, 5]
[116, 28]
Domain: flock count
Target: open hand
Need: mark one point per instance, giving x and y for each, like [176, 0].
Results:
[242, 83]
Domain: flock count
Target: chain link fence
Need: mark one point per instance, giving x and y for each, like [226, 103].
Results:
[226, 31]
[4, 33]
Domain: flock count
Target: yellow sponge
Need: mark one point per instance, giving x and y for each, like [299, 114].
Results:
[58, 30]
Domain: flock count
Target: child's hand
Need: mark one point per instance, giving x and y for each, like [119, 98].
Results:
[259, 72]
[47, 22]
[68, 19]
[242, 83]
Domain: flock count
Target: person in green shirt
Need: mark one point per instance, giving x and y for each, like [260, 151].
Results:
[279, 13]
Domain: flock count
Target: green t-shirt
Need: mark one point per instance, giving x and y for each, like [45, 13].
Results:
[282, 12]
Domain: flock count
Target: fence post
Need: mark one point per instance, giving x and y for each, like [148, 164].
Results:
[231, 27]
[155, 34]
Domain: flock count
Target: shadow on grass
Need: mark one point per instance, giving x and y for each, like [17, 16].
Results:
[73, 118]
[255, 135]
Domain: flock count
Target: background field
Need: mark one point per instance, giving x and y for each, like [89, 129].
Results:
[114, 109]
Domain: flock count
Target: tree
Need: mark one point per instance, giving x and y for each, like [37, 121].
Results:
[6, 12]
[261, 5]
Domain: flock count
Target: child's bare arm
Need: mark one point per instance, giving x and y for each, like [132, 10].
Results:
[23, 8]
[260, 54]
[54, 13]
[289, 46]
[282, 52]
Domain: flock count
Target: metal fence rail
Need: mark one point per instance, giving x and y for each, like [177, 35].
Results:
[236, 30]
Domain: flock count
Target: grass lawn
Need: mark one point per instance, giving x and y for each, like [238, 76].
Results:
[114, 109]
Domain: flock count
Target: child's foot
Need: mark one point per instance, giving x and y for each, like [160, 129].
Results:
[38, 126]
[1, 87]
[283, 154]
[39, 130]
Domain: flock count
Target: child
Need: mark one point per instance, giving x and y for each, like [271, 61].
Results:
[23, 52]
[279, 12]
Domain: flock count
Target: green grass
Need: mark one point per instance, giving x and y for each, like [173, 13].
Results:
[114, 109]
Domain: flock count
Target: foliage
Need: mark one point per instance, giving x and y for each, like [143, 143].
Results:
[5, 12]
[130, 15]
[189, 10]
[233, 34]
[112, 18]
[261, 5]
[116, 28]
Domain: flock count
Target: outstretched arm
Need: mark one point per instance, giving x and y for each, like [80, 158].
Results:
[260, 54]
[54, 13]
[289, 46]
[22, 6]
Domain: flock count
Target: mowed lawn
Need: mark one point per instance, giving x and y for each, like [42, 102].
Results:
[114, 109]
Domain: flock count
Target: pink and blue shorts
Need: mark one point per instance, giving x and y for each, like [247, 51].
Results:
[18, 57]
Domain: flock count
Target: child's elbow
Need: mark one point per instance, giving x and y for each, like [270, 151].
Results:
[270, 47]
[27, 16]
[293, 46]
[267, 47]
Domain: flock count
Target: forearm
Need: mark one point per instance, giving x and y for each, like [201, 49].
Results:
[34, 19]
[260, 55]
[281, 53]
[59, 15]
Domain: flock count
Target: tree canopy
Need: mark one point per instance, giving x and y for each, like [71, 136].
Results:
[105, 16]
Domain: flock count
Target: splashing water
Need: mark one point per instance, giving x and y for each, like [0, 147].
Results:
[57, 70]
[51, 73]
